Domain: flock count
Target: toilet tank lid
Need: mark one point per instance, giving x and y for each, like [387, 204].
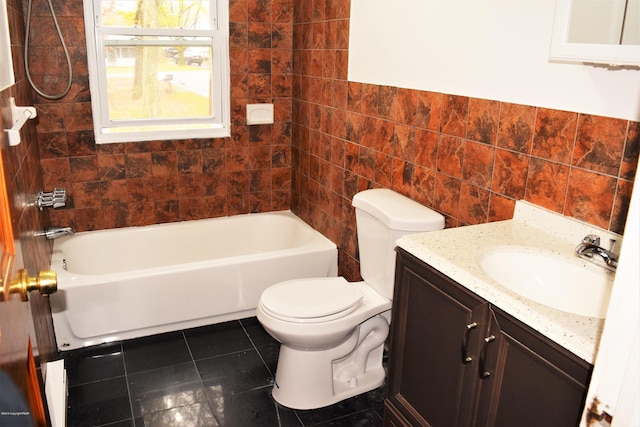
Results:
[397, 211]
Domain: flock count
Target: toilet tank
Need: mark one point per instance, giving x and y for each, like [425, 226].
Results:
[382, 217]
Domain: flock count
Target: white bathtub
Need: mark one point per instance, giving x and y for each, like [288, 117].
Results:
[130, 282]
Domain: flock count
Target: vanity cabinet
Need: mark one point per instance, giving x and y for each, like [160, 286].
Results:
[456, 360]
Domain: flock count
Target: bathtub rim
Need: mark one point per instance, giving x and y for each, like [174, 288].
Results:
[68, 280]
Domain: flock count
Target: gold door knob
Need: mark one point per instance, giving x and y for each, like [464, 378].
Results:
[46, 283]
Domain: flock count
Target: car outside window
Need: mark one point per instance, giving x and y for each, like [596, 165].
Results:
[158, 69]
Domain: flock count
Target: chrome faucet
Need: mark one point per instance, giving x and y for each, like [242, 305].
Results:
[51, 233]
[55, 199]
[591, 245]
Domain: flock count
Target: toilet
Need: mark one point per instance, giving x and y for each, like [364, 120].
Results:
[332, 332]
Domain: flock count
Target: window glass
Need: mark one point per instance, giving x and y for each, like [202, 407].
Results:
[176, 83]
[158, 65]
[172, 14]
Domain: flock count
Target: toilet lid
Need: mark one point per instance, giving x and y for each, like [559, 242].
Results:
[311, 298]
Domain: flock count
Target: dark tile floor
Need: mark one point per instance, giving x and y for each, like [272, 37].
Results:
[218, 375]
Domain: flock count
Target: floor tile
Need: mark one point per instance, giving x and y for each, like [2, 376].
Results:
[368, 418]
[252, 408]
[375, 398]
[233, 373]
[286, 417]
[196, 415]
[94, 363]
[341, 409]
[270, 355]
[99, 403]
[218, 375]
[257, 334]
[217, 340]
[155, 352]
[165, 388]
[125, 423]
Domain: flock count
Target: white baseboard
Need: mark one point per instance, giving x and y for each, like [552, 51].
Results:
[55, 387]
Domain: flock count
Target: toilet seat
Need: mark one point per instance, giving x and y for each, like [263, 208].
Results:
[311, 300]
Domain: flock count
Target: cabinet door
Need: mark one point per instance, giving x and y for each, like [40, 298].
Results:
[392, 417]
[436, 331]
[528, 380]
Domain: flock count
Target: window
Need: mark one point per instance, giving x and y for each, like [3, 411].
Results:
[158, 69]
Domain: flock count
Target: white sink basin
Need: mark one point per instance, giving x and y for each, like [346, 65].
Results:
[572, 287]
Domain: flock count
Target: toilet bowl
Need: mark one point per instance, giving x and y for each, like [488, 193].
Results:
[317, 365]
[332, 332]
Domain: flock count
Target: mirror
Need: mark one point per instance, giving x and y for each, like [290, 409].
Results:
[597, 31]
[605, 22]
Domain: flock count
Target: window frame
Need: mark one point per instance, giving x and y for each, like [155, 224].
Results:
[107, 131]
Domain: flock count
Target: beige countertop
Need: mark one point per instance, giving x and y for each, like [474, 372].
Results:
[456, 252]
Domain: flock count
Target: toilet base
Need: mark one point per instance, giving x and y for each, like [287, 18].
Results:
[314, 379]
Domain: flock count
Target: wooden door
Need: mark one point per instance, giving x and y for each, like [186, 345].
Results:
[16, 358]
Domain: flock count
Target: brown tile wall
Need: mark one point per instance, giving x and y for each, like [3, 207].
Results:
[24, 180]
[137, 183]
[468, 158]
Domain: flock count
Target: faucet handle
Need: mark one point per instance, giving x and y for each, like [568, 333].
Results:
[593, 239]
[55, 199]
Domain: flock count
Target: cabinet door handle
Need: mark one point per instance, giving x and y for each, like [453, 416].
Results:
[465, 342]
[484, 373]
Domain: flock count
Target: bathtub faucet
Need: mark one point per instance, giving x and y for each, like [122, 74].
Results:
[51, 233]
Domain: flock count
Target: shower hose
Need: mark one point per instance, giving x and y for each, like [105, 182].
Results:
[26, 54]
